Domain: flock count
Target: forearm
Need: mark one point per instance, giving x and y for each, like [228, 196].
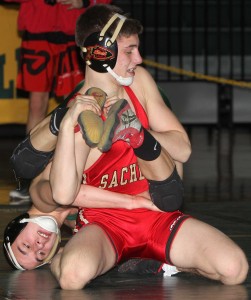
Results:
[64, 176]
[92, 197]
[89, 197]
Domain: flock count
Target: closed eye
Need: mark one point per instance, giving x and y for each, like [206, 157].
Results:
[21, 251]
[25, 253]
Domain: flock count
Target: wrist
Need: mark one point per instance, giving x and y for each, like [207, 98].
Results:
[67, 125]
[134, 202]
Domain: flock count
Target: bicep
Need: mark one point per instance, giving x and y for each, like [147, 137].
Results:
[161, 117]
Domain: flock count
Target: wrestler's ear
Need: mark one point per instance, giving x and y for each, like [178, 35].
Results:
[100, 49]
[100, 53]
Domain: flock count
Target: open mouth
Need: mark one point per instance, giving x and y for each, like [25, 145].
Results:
[131, 71]
[44, 235]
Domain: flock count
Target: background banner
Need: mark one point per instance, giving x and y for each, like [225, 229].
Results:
[13, 107]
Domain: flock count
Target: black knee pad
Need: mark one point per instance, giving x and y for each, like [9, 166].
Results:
[168, 194]
[27, 162]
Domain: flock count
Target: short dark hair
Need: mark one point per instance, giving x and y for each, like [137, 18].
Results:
[96, 17]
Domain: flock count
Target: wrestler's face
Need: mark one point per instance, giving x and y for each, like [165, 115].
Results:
[33, 245]
[128, 56]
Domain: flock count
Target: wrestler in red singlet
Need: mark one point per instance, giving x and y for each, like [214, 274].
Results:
[133, 233]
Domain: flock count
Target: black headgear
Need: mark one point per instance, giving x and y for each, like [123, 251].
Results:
[14, 228]
[101, 49]
[11, 232]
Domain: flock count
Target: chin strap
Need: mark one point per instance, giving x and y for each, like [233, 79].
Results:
[126, 81]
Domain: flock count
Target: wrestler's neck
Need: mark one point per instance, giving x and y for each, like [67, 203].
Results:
[103, 81]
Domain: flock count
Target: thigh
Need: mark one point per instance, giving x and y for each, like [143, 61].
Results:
[93, 248]
[200, 246]
[87, 255]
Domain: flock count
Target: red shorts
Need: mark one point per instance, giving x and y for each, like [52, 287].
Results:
[136, 233]
[50, 62]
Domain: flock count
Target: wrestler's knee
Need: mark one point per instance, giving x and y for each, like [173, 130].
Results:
[27, 162]
[235, 268]
[72, 277]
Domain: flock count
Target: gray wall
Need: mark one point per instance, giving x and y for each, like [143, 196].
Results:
[196, 102]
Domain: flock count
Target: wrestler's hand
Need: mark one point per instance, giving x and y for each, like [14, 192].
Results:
[108, 104]
[140, 201]
[81, 103]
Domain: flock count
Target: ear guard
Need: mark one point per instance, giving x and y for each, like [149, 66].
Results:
[101, 50]
[12, 231]
[10, 234]
[14, 228]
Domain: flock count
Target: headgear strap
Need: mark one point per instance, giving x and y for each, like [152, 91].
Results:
[117, 30]
[107, 26]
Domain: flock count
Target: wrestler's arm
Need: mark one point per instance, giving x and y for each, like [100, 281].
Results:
[93, 197]
[165, 126]
[88, 196]
[67, 166]
[71, 153]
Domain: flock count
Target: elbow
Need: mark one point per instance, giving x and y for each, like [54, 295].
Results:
[63, 194]
[184, 150]
[187, 151]
[61, 197]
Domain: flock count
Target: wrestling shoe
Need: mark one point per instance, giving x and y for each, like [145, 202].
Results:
[91, 125]
[20, 195]
[121, 124]
[146, 266]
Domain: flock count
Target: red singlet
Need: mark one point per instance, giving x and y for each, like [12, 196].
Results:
[133, 233]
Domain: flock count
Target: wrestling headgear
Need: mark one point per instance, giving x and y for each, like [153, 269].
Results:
[101, 50]
[17, 225]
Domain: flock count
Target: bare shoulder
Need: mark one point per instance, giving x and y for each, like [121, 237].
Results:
[145, 85]
[142, 74]
[143, 80]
